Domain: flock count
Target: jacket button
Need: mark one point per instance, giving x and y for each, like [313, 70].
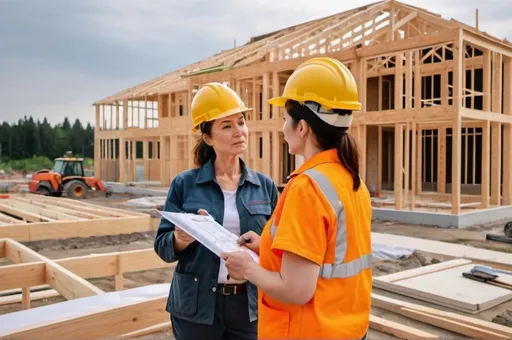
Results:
[214, 289]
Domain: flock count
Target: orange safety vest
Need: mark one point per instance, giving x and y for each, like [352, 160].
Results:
[321, 218]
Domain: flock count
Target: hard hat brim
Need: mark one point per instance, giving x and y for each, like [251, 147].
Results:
[224, 115]
[278, 101]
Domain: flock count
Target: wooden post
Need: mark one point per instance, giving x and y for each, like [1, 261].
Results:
[122, 160]
[379, 160]
[399, 154]
[507, 132]
[413, 170]
[441, 156]
[458, 56]
[97, 144]
[145, 158]
[407, 153]
[486, 164]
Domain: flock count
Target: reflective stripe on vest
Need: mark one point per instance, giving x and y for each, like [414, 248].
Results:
[339, 269]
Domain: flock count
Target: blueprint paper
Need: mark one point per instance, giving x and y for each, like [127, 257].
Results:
[208, 232]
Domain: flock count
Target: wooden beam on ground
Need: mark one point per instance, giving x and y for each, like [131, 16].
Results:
[39, 295]
[81, 205]
[47, 213]
[111, 322]
[57, 208]
[398, 330]
[22, 275]
[10, 220]
[68, 284]
[27, 216]
[58, 230]
[457, 323]
[85, 267]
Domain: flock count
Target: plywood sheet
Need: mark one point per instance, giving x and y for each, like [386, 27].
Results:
[448, 288]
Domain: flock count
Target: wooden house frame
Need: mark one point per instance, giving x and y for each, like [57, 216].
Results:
[442, 133]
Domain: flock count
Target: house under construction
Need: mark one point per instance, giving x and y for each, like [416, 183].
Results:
[434, 129]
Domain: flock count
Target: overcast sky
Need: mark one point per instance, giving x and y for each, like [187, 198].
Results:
[58, 56]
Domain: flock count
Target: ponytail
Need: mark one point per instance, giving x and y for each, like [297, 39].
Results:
[349, 156]
[202, 151]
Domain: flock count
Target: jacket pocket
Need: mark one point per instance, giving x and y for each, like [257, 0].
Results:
[258, 208]
[184, 294]
[272, 323]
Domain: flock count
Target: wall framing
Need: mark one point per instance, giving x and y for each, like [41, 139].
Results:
[439, 140]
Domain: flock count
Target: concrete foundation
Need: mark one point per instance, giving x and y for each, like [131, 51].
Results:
[461, 221]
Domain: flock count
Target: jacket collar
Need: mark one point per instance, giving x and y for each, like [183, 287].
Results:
[207, 174]
[326, 156]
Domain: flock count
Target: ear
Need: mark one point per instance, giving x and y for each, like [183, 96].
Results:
[207, 139]
[303, 128]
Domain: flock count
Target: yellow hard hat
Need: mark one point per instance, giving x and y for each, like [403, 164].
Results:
[323, 80]
[214, 101]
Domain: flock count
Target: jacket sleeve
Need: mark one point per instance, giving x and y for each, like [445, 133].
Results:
[164, 240]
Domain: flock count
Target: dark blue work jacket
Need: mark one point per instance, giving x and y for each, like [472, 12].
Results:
[192, 294]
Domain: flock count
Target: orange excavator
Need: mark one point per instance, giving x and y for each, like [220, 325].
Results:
[66, 177]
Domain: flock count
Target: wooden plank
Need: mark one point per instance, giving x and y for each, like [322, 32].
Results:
[390, 117]
[68, 229]
[101, 265]
[486, 116]
[407, 44]
[407, 274]
[64, 281]
[127, 318]
[47, 213]
[399, 330]
[83, 206]
[22, 275]
[458, 292]
[451, 321]
[27, 216]
[10, 220]
[18, 298]
[90, 266]
[69, 211]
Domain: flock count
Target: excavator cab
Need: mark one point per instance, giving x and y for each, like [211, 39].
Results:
[69, 167]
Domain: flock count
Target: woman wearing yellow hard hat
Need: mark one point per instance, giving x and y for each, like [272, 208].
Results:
[314, 275]
[204, 302]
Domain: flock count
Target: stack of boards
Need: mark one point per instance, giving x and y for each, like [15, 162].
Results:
[443, 284]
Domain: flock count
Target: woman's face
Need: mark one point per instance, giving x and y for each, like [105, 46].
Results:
[229, 135]
[292, 135]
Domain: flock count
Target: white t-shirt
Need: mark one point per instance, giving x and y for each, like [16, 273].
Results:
[232, 223]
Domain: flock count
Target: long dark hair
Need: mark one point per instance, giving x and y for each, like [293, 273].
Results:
[330, 137]
[202, 151]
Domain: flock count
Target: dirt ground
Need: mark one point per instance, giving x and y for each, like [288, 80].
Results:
[55, 249]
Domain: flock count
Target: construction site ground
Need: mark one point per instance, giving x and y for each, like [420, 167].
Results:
[56, 249]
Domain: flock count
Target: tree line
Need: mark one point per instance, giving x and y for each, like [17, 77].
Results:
[28, 138]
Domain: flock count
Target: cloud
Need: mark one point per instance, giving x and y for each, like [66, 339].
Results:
[58, 56]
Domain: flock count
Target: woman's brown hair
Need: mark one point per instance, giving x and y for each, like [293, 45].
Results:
[330, 137]
[202, 151]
